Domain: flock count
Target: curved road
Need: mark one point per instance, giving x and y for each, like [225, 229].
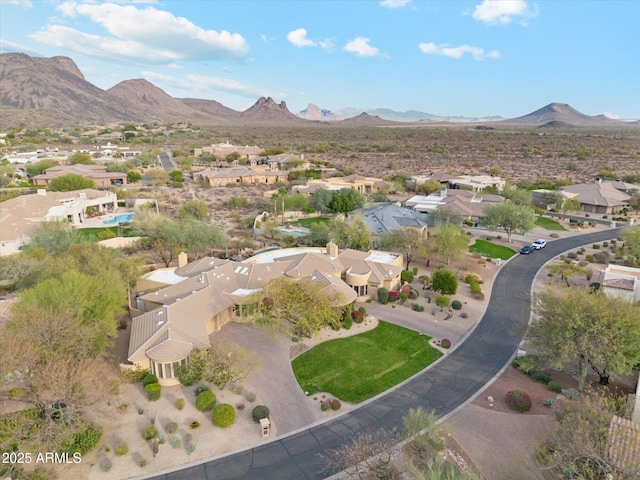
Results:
[443, 387]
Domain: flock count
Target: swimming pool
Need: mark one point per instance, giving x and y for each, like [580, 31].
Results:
[122, 218]
[293, 231]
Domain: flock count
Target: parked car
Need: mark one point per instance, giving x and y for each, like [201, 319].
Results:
[538, 244]
[527, 249]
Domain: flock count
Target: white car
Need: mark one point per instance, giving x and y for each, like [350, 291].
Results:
[538, 244]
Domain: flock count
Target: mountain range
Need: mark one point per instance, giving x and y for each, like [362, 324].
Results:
[36, 91]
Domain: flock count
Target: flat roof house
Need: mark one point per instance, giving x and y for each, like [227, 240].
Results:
[178, 309]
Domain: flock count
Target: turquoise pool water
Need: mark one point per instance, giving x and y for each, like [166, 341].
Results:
[122, 218]
[294, 232]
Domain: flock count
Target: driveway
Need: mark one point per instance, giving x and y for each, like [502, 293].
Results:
[445, 387]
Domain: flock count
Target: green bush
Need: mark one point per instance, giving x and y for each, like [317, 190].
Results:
[149, 379]
[416, 307]
[347, 323]
[445, 343]
[179, 403]
[205, 400]
[442, 301]
[325, 405]
[554, 386]
[83, 441]
[150, 432]
[526, 364]
[122, 449]
[153, 391]
[335, 404]
[540, 376]
[363, 311]
[518, 400]
[172, 427]
[223, 415]
[383, 296]
[406, 276]
[456, 305]
[260, 411]
[444, 281]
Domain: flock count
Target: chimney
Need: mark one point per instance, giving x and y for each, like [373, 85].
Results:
[182, 259]
[332, 250]
[443, 192]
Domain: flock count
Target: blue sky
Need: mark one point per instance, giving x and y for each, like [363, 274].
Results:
[469, 58]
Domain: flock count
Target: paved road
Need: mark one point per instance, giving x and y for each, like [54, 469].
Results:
[166, 160]
[443, 387]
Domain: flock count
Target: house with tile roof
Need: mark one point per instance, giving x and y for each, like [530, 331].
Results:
[178, 310]
[241, 176]
[622, 282]
[603, 196]
[364, 185]
[387, 217]
[623, 446]
[97, 173]
[470, 205]
[20, 216]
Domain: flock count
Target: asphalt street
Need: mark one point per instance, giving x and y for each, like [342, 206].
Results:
[443, 387]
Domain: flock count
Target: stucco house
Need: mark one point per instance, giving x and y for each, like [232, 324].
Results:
[364, 185]
[602, 196]
[475, 183]
[622, 282]
[241, 176]
[178, 310]
[97, 173]
[20, 216]
[388, 217]
[470, 205]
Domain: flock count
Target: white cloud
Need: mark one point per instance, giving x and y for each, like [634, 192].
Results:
[142, 35]
[457, 52]
[612, 116]
[501, 12]
[23, 4]
[10, 47]
[204, 84]
[299, 38]
[360, 46]
[394, 3]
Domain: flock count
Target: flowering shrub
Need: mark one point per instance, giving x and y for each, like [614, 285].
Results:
[518, 400]
[393, 295]
[335, 404]
[406, 288]
[325, 405]
[358, 316]
[445, 343]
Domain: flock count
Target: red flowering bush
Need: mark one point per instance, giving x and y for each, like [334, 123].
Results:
[358, 316]
[518, 400]
[445, 343]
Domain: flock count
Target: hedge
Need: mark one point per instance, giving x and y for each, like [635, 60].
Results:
[383, 296]
[205, 400]
[153, 391]
[223, 415]
[149, 379]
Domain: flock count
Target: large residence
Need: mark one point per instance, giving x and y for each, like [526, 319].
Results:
[470, 205]
[224, 149]
[475, 183]
[97, 173]
[21, 215]
[241, 176]
[364, 185]
[388, 217]
[178, 309]
[622, 282]
[602, 196]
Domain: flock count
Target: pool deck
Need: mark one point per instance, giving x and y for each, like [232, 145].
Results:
[98, 222]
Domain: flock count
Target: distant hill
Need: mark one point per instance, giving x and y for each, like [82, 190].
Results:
[312, 112]
[267, 111]
[561, 112]
[364, 119]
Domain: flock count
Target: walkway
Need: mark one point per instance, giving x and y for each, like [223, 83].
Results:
[444, 387]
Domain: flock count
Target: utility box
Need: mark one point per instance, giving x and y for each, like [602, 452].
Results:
[265, 427]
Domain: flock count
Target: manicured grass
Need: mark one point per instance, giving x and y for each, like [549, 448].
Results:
[492, 250]
[91, 234]
[548, 224]
[307, 222]
[362, 366]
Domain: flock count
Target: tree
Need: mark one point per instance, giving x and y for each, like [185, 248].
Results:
[430, 186]
[320, 200]
[634, 202]
[410, 242]
[446, 215]
[133, 176]
[194, 209]
[449, 241]
[177, 176]
[444, 281]
[346, 200]
[631, 237]
[39, 168]
[279, 201]
[567, 271]
[228, 362]
[238, 201]
[510, 217]
[157, 177]
[579, 444]
[588, 327]
[518, 195]
[564, 205]
[82, 158]
[352, 233]
[53, 237]
[70, 182]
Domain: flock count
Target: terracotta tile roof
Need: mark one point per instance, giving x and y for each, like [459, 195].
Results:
[624, 445]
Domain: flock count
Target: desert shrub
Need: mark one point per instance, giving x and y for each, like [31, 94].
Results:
[260, 411]
[403, 297]
[190, 448]
[172, 427]
[540, 376]
[549, 402]
[201, 388]
[223, 415]
[363, 311]
[177, 443]
[572, 255]
[347, 323]
[122, 449]
[150, 432]
[193, 425]
[250, 396]
[141, 462]
[82, 441]
[456, 305]
[153, 391]
[442, 301]
[205, 401]
[518, 400]
[416, 307]
[325, 405]
[105, 464]
[571, 393]
[444, 281]
[464, 315]
[133, 375]
[478, 296]
[383, 296]
[596, 246]
[474, 286]
[601, 257]
[179, 403]
[149, 379]
[406, 276]
[554, 235]
[554, 386]
[445, 343]
[335, 404]
[240, 406]
[526, 364]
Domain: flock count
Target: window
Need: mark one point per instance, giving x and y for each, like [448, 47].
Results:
[361, 290]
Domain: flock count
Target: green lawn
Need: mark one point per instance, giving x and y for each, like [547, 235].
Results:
[362, 366]
[492, 250]
[307, 222]
[91, 234]
[548, 224]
